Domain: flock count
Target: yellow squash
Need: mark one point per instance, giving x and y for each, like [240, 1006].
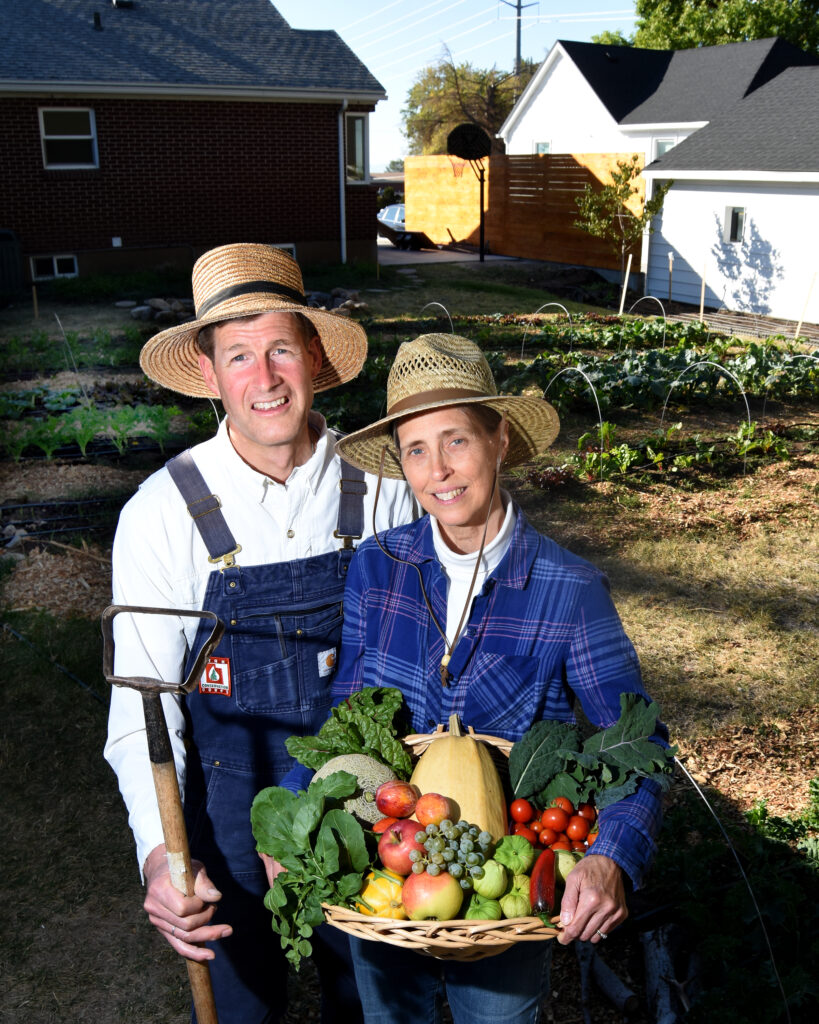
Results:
[380, 895]
[461, 768]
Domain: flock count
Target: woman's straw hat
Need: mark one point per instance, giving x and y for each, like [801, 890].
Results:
[244, 280]
[438, 370]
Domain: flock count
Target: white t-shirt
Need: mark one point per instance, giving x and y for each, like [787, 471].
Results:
[160, 560]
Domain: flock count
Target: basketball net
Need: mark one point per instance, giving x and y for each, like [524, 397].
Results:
[457, 166]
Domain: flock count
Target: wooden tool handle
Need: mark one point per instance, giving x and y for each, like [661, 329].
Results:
[176, 839]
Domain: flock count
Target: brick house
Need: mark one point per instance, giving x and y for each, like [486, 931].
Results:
[139, 133]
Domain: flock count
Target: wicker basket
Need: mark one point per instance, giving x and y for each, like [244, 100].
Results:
[445, 940]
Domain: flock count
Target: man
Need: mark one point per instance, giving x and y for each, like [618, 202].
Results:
[257, 525]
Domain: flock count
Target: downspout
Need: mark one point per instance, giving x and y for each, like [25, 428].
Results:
[342, 183]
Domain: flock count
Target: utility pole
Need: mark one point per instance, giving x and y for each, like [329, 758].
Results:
[519, 6]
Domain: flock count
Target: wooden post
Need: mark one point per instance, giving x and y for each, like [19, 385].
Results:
[805, 307]
[34, 300]
[702, 293]
[625, 285]
[670, 271]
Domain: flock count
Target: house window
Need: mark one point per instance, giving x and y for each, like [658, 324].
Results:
[356, 151]
[734, 224]
[44, 268]
[543, 148]
[69, 137]
[662, 146]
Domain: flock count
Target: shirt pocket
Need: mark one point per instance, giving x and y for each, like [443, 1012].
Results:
[505, 693]
[283, 662]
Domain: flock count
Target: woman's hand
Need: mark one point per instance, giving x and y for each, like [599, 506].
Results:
[182, 920]
[594, 901]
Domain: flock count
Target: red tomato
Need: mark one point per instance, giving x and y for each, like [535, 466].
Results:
[556, 818]
[587, 811]
[521, 810]
[578, 828]
[547, 835]
[562, 844]
[592, 836]
[535, 825]
[527, 833]
[579, 847]
[564, 803]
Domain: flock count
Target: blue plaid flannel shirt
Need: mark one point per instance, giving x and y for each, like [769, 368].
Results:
[542, 632]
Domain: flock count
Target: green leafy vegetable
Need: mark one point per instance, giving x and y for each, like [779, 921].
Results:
[550, 760]
[324, 851]
[365, 723]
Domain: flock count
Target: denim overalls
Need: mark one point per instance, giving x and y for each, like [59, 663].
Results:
[268, 679]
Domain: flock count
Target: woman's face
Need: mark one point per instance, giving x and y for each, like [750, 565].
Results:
[449, 459]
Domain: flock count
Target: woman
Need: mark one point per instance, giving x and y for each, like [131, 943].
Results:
[470, 611]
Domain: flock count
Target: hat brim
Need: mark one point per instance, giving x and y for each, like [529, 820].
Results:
[171, 357]
[533, 426]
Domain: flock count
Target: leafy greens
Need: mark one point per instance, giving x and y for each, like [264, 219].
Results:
[323, 849]
[552, 760]
[364, 723]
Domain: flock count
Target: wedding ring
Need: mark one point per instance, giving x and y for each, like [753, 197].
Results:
[173, 931]
[602, 935]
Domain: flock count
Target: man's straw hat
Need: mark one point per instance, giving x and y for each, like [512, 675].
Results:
[439, 370]
[244, 280]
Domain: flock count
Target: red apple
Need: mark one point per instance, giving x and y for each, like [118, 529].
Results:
[397, 842]
[432, 897]
[432, 809]
[396, 799]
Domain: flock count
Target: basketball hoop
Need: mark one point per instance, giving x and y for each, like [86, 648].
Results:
[457, 166]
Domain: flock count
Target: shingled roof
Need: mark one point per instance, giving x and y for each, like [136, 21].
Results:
[679, 86]
[774, 129]
[188, 46]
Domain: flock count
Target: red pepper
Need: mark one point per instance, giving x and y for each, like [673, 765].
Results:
[542, 884]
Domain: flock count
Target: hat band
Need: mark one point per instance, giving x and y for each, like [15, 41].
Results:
[437, 395]
[247, 288]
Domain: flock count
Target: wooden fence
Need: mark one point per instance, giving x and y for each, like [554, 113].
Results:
[529, 204]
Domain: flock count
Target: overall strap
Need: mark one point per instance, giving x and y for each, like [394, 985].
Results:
[204, 508]
[351, 505]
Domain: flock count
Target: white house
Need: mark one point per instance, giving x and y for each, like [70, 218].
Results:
[744, 208]
[592, 98]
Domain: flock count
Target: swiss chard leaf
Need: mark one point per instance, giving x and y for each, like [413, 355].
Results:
[341, 831]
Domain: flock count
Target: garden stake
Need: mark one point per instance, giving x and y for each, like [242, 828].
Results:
[164, 771]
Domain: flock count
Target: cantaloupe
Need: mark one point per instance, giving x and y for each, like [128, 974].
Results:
[370, 774]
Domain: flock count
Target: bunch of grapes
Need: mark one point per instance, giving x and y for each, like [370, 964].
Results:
[461, 849]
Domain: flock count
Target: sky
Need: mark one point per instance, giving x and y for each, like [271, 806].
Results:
[396, 39]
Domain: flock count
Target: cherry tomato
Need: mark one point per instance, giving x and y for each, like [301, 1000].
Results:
[556, 818]
[579, 847]
[521, 810]
[547, 835]
[592, 837]
[562, 844]
[527, 833]
[535, 825]
[588, 812]
[564, 803]
[578, 828]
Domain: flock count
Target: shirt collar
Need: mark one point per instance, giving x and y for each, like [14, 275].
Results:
[251, 482]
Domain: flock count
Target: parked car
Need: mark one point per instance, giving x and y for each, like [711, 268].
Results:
[391, 225]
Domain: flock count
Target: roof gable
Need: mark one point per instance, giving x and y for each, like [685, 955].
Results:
[774, 129]
[189, 44]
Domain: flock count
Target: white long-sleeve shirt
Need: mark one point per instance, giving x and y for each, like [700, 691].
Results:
[160, 560]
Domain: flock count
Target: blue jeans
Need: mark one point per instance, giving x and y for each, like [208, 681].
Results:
[395, 984]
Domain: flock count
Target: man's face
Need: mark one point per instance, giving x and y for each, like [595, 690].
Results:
[263, 370]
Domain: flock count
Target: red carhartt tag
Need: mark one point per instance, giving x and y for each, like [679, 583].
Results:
[216, 677]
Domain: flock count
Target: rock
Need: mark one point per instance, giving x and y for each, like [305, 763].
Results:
[165, 316]
[125, 304]
[142, 313]
[12, 557]
[160, 304]
[318, 300]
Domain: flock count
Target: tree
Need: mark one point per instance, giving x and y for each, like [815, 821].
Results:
[616, 212]
[681, 24]
[445, 95]
[684, 24]
[395, 166]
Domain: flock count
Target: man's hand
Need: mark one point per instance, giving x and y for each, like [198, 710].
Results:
[183, 920]
[594, 900]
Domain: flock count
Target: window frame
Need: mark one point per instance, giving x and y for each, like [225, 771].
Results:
[364, 118]
[54, 257]
[542, 152]
[45, 138]
[734, 215]
[659, 142]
